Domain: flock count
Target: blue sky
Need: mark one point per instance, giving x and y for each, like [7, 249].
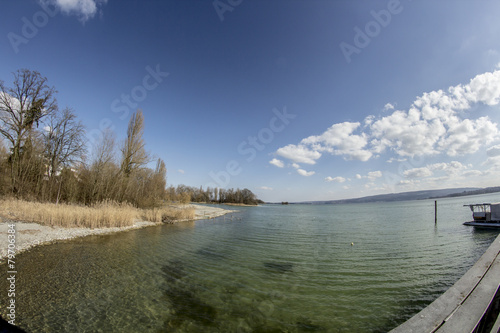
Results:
[295, 100]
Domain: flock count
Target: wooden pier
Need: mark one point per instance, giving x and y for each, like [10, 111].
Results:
[470, 305]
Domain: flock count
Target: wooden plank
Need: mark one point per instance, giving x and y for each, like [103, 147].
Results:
[469, 314]
[433, 316]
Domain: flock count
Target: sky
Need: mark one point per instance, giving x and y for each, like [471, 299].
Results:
[294, 100]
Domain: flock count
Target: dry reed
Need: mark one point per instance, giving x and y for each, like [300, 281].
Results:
[105, 214]
[168, 214]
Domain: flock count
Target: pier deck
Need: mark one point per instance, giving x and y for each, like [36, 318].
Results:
[470, 305]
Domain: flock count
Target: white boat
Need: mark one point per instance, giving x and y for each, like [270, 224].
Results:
[485, 215]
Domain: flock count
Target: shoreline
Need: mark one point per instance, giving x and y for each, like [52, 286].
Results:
[30, 234]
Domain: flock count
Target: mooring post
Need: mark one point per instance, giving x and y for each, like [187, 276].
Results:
[435, 212]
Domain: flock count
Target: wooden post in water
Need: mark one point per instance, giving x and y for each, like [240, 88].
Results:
[435, 212]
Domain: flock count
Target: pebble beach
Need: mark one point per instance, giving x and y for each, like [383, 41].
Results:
[30, 234]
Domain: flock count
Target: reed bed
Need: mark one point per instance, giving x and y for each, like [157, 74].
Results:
[102, 215]
[168, 214]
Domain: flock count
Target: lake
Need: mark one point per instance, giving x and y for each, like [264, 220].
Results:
[272, 268]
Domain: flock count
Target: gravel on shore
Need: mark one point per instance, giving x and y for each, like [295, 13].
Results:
[29, 235]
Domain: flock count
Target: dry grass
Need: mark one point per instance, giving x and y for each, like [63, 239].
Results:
[168, 214]
[103, 215]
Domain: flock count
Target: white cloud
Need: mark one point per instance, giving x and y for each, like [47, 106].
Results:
[299, 154]
[493, 151]
[266, 188]
[433, 125]
[452, 168]
[486, 88]
[373, 175]
[493, 154]
[277, 163]
[340, 140]
[305, 173]
[369, 120]
[472, 173]
[406, 134]
[295, 165]
[84, 9]
[13, 102]
[408, 183]
[393, 159]
[449, 171]
[388, 106]
[493, 162]
[181, 171]
[468, 136]
[418, 173]
[335, 179]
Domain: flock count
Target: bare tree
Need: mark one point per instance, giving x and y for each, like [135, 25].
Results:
[103, 170]
[64, 144]
[104, 150]
[134, 154]
[64, 141]
[159, 183]
[21, 106]
[4, 180]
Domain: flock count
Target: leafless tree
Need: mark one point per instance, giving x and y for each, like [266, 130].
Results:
[103, 170]
[104, 150]
[134, 154]
[64, 141]
[21, 106]
[64, 144]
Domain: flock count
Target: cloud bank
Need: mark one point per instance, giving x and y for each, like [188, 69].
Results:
[434, 124]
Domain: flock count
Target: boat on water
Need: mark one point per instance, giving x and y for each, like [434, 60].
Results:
[485, 215]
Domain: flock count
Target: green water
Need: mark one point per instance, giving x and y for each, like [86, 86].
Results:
[270, 269]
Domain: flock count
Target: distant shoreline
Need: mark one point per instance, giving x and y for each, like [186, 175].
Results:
[487, 190]
[29, 234]
[405, 196]
[238, 204]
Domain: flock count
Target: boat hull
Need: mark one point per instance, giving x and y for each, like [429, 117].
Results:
[482, 224]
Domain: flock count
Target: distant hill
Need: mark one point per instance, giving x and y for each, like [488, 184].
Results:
[471, 192]
[414, 195]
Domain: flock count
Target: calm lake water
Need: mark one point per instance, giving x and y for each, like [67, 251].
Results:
[271, 268]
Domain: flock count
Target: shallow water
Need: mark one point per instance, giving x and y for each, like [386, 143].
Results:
[270, 269]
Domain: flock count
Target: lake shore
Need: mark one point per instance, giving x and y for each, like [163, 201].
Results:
[30, 234]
